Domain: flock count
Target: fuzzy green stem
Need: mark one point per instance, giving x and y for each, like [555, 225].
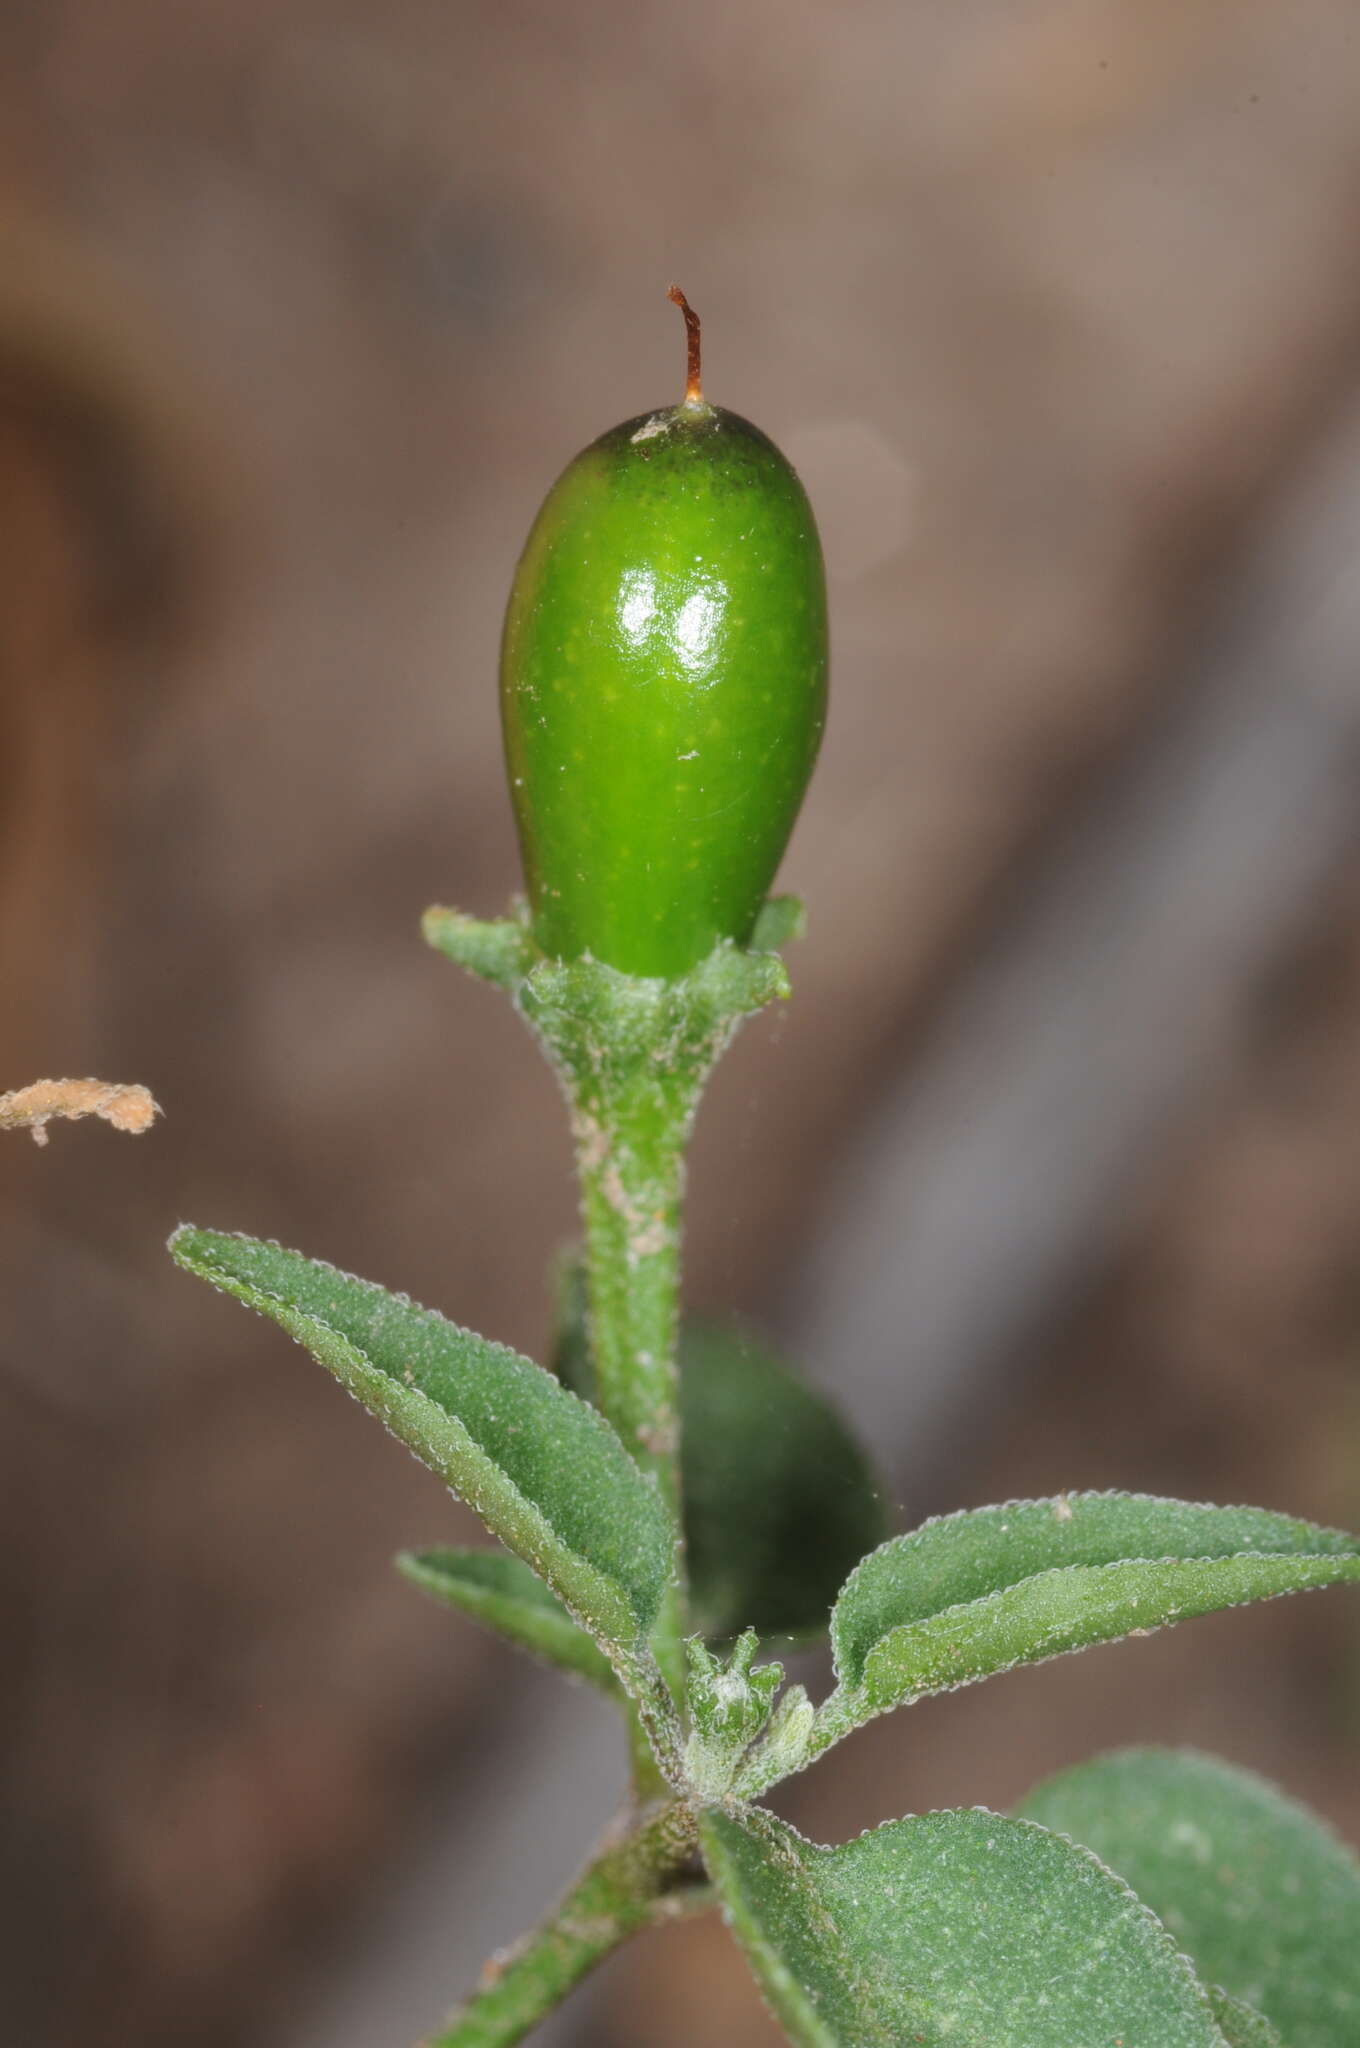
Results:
[629, 1149]
[635, 1880]
[630, 1144]
[648, 1780]
[633, 1053]
[657, 1762]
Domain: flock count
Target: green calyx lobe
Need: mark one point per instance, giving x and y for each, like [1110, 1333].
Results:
[663, 689]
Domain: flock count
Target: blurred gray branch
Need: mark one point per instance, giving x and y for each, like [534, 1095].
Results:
[996, 1173]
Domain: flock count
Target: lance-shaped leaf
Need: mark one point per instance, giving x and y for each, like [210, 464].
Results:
[497, 1590]
[975, 1593]
[1254, 1887]
[952, 1929]
[544, 1471]
[1243, 2026]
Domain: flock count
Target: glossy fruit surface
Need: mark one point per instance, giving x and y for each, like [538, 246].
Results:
[663, 688]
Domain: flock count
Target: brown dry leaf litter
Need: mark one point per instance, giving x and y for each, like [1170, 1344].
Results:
[127, 1106]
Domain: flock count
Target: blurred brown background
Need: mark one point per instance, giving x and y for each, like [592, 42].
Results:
[1053, 1165]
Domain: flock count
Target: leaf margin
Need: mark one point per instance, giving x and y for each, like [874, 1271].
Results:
[1290, 1833]
[784, 1994]
[551, 1638]
[600, 1604]
[850, 1707]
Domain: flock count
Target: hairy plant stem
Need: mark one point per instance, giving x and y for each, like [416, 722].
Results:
[637, 1878]
[629, 1153]
[630, 1135]
[658, 1767]
[633, 1054]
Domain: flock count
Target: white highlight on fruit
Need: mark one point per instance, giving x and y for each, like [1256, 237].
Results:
[696, 626]
[637, 604]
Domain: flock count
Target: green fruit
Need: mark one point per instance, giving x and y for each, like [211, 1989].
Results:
[663, 687]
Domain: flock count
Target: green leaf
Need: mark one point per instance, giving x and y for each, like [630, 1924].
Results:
[975, 1593]
[955, 1930]
[1255, 1887]
[542, 1469]
[781, 920]
[496, 1589]
[571, 1359]
[779, 1499]
[1243, 2026]
[502, 951]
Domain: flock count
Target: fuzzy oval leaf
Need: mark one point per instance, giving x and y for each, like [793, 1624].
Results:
[497, 1590]
[1242, 2025]
[780, 1500]
[1256, 1888]
[975, 1593]
[542, 1469]
[954, 1930]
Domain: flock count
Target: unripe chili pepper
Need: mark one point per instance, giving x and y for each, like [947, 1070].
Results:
[663, 685]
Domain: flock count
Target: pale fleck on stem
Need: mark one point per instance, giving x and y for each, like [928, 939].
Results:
[630, 1161]
[127, 1106]
[636, 1880]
